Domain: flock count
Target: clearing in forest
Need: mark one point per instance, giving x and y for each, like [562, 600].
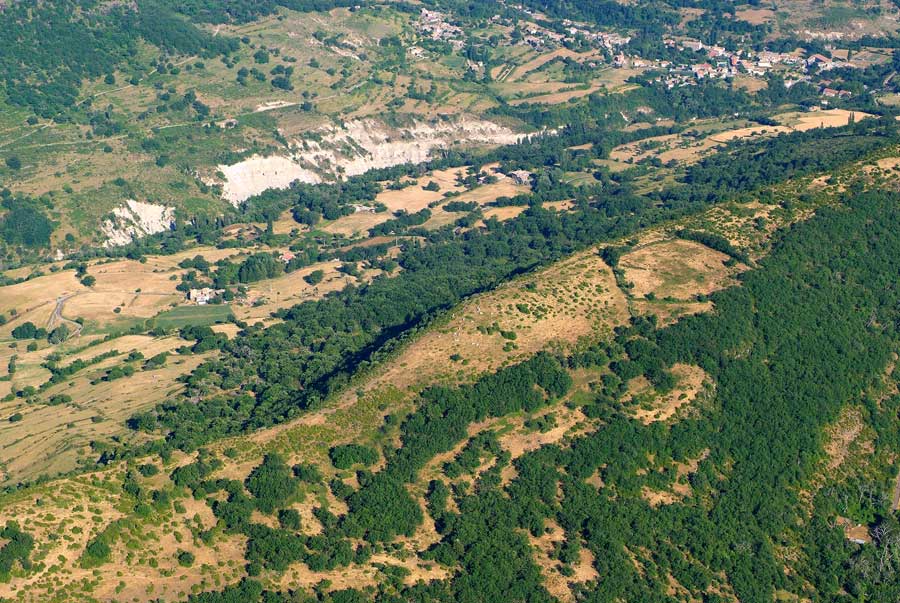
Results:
[89, 504]
[651, 405]
[679, 490]
[555, 98]
[691, 145]
[544, 549]
[414, 198]
[574, 298]
[676, 269]
[411, 199]
[523, 70]
[270, 295]
[828, 118]
[756, 16]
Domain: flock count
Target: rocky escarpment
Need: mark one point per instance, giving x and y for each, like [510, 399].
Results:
[134, 220]
[352, 149]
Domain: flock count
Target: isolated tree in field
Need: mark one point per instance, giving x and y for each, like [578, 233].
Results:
[59, 334]
[315, 277]
[13, 163]
[185, 558]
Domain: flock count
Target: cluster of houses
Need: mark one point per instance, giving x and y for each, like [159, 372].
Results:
[434, 25]
[607, 40]
[540, 38]
[717, 62]
[828, 92]
[721, 63]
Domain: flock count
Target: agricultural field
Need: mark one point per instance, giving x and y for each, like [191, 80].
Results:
[705, 138]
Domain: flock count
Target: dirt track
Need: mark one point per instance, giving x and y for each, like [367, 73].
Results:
[57, 318]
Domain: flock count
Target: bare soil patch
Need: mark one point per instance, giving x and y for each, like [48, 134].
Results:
[749, 84]
[521, 440]
[681, 489]
[35, 299]
[64, 518]
[53, 439]
[488, 193]
[668, 312]
[840, 436]
[756, 16]
[267, 296]
[676, 268]
[556, 98]
[730, 135]
[504, 213]
[829, 118]
[523, 70]
[412, 199]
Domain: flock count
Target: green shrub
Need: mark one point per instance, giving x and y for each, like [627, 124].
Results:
[347, 455]
[185, 558]
[97, 552]
[148, 469]
[271, 483]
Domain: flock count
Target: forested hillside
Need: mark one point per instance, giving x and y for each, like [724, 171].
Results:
[58, 45]
[785, 354]
[349, 301]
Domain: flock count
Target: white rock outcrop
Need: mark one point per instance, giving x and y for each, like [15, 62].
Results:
[134, 220]
[355, 148]
[257, 173]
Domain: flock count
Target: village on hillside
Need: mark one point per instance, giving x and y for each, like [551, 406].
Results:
[709, 61]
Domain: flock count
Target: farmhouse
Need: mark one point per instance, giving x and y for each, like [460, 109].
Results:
[832, 93]
[823, 62]
[203, 296]
[521, 177]
[855, 533]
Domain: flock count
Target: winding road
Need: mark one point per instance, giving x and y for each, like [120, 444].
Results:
[57, 319]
